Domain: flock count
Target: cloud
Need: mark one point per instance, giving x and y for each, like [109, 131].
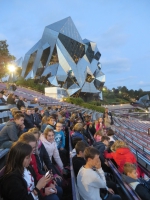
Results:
[144, 84]
[116, 65]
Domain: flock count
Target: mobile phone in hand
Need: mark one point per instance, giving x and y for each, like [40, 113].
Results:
[47, 173]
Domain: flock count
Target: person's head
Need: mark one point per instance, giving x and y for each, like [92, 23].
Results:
[100, 120]
[49, 134]
[23, 109]
[105, 140]
[44, 119]
[21, 98]
[25, 99]
[110, 132]
[59, 126]
[129, 169]
[78, 127]
[80, 147]
[18, 157]
[118, 144]
[106, 110]
[30, 139]
[32, 111]
[36, 110]
[28, 111]
[51, 121]
[35, 132]
[19, 119]
[1, 95]
[98, 135]
[91, 156]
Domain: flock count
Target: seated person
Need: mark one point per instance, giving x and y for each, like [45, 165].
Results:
[28, 120]
[110, 134]
[91, 178]
[19, 181]
[59, 136]
[11, 131]
[20, 103]
[141, 187]
[101, 146]
[77, 132]
[48, 141]
[2, 100]
[78, 160]
[51, 123]
[45, 161]
[121, 155]
[100, 125]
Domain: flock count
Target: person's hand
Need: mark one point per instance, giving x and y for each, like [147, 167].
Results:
[48, 191]
[110, 191]
[53, 187]
[98, 164]
[43, 181]
[59, 177]
[106, 162]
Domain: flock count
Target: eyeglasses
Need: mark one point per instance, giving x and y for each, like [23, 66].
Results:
[59, 126]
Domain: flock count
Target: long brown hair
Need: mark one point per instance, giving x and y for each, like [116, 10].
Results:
[16, 156]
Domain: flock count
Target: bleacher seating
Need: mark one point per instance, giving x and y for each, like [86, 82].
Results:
[132, 131]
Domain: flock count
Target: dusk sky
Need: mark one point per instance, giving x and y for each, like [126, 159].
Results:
[121, 29]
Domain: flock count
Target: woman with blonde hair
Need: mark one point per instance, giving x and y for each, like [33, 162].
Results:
[121, 154]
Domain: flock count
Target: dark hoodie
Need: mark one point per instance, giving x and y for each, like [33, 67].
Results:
[138, 186]
[10, 132]
[78, 162]
[101, 148]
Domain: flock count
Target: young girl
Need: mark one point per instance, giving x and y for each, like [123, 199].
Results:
[100, 125]
[19, 182]
[49, 142]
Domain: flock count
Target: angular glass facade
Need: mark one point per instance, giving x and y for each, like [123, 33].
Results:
[62, 59]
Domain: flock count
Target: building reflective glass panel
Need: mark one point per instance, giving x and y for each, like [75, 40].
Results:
[30, 63]
[74, 48]
[97, 55]
[45, 56]
[89, 53]
[54, 58]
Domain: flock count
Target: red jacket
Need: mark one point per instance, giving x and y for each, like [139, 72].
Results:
[121, 156]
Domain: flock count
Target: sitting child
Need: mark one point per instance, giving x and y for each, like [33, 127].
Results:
[78, 160]
[141, 187]
[51, 146]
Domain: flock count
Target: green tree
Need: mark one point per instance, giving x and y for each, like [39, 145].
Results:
[5, 57]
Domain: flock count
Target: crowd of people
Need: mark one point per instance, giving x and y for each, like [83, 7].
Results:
[38, 159]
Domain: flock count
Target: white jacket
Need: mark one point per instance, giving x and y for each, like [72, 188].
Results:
[52, 150]
[89, 182]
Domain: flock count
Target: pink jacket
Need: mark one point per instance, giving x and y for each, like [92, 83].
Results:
[99, 126]
[52, 150]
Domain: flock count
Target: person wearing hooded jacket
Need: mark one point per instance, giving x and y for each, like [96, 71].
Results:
[121, 154]
[141, 186]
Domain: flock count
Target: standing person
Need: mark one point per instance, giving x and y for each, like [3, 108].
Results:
[11, 131]
[19, 181]
[20, 103]
[109, 114]
[107, 121]
[91, 178]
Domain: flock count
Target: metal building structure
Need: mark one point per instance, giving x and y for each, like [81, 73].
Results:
[62, 59]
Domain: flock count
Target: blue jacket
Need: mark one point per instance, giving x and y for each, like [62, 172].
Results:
[60, 139]
[77, 135]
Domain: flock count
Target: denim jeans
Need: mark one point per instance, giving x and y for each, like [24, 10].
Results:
[57, 196]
